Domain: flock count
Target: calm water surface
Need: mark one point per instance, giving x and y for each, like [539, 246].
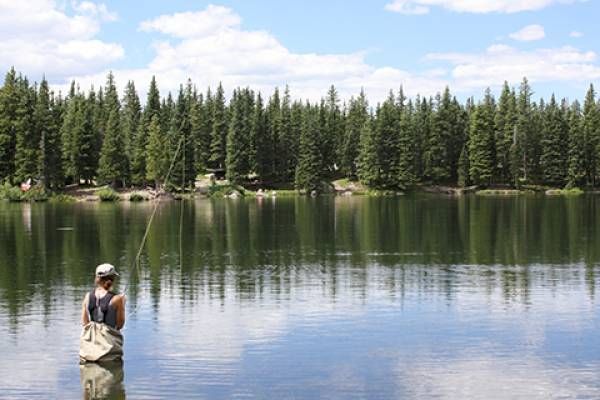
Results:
[335, 298]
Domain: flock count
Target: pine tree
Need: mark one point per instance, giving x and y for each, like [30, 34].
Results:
[49, 162]
[272, 137]
[180, 138]
[130, 123]
[555, 144]
[27, 150]
[156, 158]
[505, 121]
[422, 127]
[113, 163]
[522, 150]
[388, 132]
[71, 120]
[368, 159]
[357, 117]
[293, 138]
[219, 130]
[406, 149]
[332, 134]
[201, 128]
[9, 96]
[437, 157]
[481, 142]
[287, 144]
[310, 167]
[238, 138]
[576, 165]
[138, 152]
[260, 155]
[85, 140]
[591, 134]
[463, 167]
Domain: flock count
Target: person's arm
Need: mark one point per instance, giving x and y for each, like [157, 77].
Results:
[85, 318]
[119, 303]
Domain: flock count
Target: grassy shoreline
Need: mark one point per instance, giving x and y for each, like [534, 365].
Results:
[342, 187]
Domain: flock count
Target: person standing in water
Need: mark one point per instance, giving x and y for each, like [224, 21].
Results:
[101, 304]
[102, 317]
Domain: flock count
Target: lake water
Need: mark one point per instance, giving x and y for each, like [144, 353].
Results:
[291, 298]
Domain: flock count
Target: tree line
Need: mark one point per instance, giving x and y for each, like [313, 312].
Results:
[97, 137]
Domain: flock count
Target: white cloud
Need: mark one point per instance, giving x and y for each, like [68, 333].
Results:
[501, 62]
[470, 6]
[220, 50]
[210, 46]
[94, 10]
[529, 33]
[194, 24]
[40, 38]
[576, 34]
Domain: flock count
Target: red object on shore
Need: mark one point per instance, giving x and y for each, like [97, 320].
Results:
[25, 186]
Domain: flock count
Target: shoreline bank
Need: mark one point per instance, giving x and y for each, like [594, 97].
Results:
[223, 189]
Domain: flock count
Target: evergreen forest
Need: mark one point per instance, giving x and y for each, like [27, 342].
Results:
[98, 137]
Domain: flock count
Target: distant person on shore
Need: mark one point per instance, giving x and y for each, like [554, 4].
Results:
[102, 317]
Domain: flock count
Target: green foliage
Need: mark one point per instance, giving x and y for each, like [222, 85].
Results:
[10, 192]
[437, 167]
[481, 142]
[238, 139]
[309, 170]
[9, 100]
[565, 192]
[131, 116]
[88, 137]
[576, 163]
[591, 136]
[218, 140]
[27, 149]
[47, 111]
[504, 134]
[15, 194]
[36, 193]
[555, 145]
[157, 161]
[140, 141]
[108, 194]
[331, 131]
[137, 197]
[463, 168]
[219, 191]
[368, 168]
[112, 166]
[62, 198]
[356, 120]
[499, 192]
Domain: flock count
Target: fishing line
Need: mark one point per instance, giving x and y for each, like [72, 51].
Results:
[136, 261]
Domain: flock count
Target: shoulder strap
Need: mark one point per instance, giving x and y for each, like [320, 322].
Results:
[91, 303]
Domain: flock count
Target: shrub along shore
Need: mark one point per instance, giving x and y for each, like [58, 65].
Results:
[96, 137]
[224, 189]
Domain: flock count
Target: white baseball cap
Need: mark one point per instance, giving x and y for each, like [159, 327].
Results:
[104, 270]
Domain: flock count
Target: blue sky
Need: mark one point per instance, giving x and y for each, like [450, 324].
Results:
[379, 45]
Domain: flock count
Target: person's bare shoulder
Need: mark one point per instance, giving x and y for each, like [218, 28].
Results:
[118, 300]
[86, 299]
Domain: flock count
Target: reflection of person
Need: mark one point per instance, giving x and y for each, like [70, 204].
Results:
[102, 316]
[102, 381]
